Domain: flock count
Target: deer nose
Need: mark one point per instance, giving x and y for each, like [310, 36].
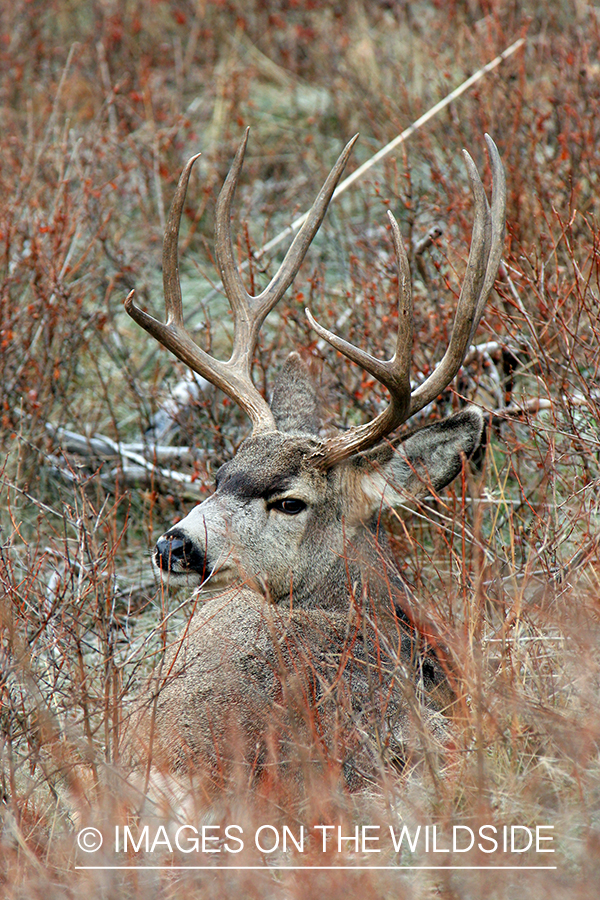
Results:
[175, 553]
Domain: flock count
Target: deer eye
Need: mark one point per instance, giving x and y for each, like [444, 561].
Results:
[289, 505]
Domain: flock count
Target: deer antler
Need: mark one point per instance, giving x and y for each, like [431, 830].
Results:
[484, 258]
[234, 376]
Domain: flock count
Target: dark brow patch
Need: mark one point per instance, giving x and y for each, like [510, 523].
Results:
[254, 484]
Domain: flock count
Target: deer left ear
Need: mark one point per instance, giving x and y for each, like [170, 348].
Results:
[295, 403]
[426, 461]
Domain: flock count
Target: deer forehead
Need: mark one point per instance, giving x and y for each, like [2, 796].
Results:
[271, 465]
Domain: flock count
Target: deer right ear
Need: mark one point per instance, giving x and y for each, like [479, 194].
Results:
[426, 461]
[295, 404]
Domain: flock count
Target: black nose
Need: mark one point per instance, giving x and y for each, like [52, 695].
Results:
[177, 553]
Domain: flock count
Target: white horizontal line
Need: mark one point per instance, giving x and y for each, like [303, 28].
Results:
[347, 868]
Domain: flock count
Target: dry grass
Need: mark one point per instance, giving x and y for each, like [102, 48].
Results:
[100, 104]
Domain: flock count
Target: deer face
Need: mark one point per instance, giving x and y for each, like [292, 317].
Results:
[285, 526]
[270, 519]
[275, 519]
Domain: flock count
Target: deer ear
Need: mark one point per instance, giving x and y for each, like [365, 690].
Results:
[426, 461]
[295, 404]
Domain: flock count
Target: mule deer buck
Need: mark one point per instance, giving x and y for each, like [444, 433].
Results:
[309, 654]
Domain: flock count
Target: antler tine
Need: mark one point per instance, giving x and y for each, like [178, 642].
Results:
[234, 287]
[484, 258]
[171, 284]
[498, 227]
[234, 376]
[174, 336]
[394, 374]
[249, 311]
[297, 251]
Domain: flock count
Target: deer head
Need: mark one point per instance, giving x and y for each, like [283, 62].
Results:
[291, 508]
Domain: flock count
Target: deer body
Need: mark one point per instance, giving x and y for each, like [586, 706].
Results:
[310, 653]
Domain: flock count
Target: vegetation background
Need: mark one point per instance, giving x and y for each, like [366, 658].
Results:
[101, 103]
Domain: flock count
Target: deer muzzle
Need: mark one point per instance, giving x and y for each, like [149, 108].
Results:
[176, 554]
